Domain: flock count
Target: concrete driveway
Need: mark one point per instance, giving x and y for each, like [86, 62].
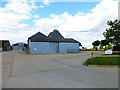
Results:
[23, 70]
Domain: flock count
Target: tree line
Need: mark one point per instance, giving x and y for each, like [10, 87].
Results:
[112, 37]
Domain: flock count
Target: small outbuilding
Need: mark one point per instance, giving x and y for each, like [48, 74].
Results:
[5, 45]
[53, 43]
[20, 46]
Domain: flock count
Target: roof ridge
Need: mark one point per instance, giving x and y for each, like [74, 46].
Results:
[55, 34]
[39, 35]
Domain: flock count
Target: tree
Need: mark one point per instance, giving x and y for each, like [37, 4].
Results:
[101, 47]
[109, 47]
[84, 48]
[96, 43]
[104, 42]
[112, 34]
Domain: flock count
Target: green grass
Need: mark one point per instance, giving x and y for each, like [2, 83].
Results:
[103, 61]
[113, 54]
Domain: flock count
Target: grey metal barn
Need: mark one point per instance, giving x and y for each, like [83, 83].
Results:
[5, 45]
[53, 43]
[20, 46]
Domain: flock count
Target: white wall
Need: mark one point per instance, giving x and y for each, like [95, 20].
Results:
[39, 47]
[68, 47]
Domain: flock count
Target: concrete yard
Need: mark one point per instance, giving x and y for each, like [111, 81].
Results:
[23, 70]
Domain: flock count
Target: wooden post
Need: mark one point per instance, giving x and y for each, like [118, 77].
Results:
[108, 59]
[92, 56]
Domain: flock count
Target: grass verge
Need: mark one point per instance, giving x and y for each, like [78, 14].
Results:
[113, 54]
[103, 61]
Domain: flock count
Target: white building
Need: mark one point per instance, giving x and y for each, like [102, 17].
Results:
[53, 43]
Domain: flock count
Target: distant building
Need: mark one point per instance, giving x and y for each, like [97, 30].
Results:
[53, 43]
[5, 45]
[19, 46]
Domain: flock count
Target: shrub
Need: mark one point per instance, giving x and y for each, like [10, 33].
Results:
[101, 47]
[116, 48]
[109, 47]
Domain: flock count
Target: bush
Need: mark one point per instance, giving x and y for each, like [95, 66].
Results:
[109, 47]
[116, 48]
[84, 48]
[101, 47]
[95, 48]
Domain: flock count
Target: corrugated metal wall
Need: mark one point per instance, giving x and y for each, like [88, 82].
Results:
[39, 47]
[50, 47]
[15, 48]
[69, 47]
[19, 48]
[54, 47]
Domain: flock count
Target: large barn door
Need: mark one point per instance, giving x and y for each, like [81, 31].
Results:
[54, 47]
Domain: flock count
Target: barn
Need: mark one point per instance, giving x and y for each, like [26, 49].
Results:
[5, 45]
[53, 43]
[19, 46]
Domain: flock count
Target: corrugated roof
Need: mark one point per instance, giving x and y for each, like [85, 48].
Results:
[55, 34]
[39, 37]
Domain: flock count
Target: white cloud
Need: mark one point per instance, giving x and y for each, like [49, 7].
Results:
[11, 20]
[42, 6]
[23, 26]
[16, 36]
[12, 17]
[18, 7]
[94, 22]
[36, 16]
[14, 12]
[47, 2]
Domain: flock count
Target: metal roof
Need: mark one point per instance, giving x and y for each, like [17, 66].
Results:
[39, 37]
[55, 34]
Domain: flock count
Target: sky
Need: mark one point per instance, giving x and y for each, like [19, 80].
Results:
[83, 20]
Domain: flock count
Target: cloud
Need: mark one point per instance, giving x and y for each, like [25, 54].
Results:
[12, 17]
[16, 36]
[15, 12]
[23, 26]
[73, 26]
[47, 2]
[42, 6]
[18, 7]
[36, 16]
[85, 28]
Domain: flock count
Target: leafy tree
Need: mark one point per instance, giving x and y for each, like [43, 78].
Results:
[101, 47]
[95, 48]
[84, 48]
[112, 34]
[96, 43]
[109, 47]
[104, 42]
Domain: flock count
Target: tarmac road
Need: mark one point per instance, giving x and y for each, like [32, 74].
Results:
[22, 70]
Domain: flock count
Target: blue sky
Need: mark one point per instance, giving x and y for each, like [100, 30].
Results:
[70, 7]
[78, 20]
